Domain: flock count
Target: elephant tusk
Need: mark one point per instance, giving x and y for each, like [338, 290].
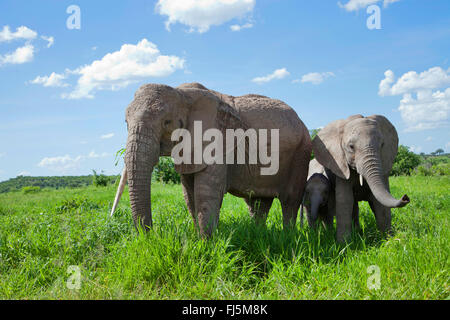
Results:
[361, 180]
[123, 181]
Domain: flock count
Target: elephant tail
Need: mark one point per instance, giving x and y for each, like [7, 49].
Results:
[123, 181]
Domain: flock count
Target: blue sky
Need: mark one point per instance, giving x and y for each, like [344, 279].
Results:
[64, 91]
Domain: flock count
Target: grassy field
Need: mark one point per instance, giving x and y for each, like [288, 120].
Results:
[42, 234]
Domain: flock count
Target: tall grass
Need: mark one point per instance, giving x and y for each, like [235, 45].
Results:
[42, 234]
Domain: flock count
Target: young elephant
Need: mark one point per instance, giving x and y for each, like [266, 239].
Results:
[360, 152]
[318, 198]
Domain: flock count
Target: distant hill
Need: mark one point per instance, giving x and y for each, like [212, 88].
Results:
[48, 182]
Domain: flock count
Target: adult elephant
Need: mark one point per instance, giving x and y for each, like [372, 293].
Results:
[360, 152]
[158, 110]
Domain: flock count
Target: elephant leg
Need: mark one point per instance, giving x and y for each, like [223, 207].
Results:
[290, 210]
[209, 185]
[327, 218]
[382, 213]
[259, 208]
[331, 210]
[187, 181]
[355, 216]
[344, 207]
[296, 183]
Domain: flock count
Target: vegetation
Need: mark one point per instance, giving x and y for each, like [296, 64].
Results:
[100, 180]
[165, 171]
[43, 235]
[17, 184]
[405, 162]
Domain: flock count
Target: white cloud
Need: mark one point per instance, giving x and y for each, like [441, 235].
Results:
[315, 77]
[26, 52]
[24, 173]
[277, 74]
[20, 55]
[60, 163]
[50, 40]
[94, 155]
[355, 5]
[53, 80]
[2, 154]
[200, 15]
[21, 33]
[120, 68]
[411, 81]
[415, 149]
[236, 27]
[429, 139]
[447, 146]
[421, 107]
[66, 163]
[107, 136]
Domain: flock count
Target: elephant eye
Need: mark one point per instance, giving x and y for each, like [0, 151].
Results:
[351, 146]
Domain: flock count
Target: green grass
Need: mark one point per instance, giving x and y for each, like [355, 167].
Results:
[43, 233]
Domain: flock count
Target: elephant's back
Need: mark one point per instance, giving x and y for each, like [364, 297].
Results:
[261, 112]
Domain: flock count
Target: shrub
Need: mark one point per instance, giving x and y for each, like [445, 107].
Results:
[442, 169]
[165, 171]
[75, 203]
[31, 189]
[100, 180]
[405, 161]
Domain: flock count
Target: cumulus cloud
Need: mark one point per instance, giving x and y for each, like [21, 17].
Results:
[315, 77]
[66, 163]
[53, 80]
[20, 55]
[22, 32]
[107, 136]
[60, 163]
[236, 27]
[24, 53]
[200, 15]
[425, 102]
[277, 74]
[120, 68]
[355, 5]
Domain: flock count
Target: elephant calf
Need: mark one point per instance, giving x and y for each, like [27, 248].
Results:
[360, 152]
[318, 198]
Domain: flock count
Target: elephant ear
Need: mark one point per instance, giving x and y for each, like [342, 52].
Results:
[207, 109]
[389, 148]
[328, 150]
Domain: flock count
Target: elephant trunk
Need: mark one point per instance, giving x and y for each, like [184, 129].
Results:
[314, 214]
[142, 154]
[370, 168]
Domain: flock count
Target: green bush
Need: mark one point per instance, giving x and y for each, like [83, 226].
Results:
[165, 171]
[441, 169]
[100, 180]
[31, 189]
[405, 161]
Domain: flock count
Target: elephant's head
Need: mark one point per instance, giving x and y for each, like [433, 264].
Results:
[316, 195]
[365, 144]
[156, 111]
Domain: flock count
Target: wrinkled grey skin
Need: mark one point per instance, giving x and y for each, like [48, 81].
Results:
[318, 198]
[157, 110]
[356, 146]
